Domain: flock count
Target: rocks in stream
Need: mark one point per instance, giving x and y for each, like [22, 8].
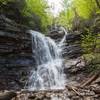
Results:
[90, 91]
[69, 93]
[9, 95]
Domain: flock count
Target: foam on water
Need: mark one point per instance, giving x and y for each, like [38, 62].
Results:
[49, 63]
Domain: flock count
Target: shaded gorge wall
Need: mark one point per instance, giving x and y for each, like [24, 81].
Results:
[15, 54]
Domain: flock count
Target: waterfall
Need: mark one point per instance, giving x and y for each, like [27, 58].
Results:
[64, 38]
[49, 63]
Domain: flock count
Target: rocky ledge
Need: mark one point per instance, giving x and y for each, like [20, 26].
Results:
[15, 54]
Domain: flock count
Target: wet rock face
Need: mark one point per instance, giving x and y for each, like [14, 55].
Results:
[72, 49]
[13, 78]
[74, 65]
[16, 59]
[73, 37]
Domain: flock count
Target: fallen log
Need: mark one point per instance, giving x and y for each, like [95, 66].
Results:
[73, 88]
[90, 80]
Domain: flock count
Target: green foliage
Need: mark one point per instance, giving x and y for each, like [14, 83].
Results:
[65, 18]
[88, 41]
[98, 12]
[74, 9]
[38, 7]
[32, 13]
[5, 1]
[91, 46]
[93, 62]
[84, 8]
[97, 48]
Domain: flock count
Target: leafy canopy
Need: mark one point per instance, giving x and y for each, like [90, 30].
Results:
[35, 12]
[73, 8]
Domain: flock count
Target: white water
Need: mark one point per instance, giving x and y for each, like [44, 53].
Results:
[49, 63]
[64, 38]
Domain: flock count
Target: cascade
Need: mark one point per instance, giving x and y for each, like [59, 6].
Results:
[49, 63]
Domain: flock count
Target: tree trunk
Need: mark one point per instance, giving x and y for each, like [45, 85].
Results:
[98, 3]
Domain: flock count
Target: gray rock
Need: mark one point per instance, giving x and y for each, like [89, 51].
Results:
[72, 51]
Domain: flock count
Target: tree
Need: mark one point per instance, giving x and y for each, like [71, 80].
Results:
[32, 13]
[98, 3]
[82, 8]
[39, 8]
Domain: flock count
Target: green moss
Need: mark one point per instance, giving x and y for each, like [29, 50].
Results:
[93, 62]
